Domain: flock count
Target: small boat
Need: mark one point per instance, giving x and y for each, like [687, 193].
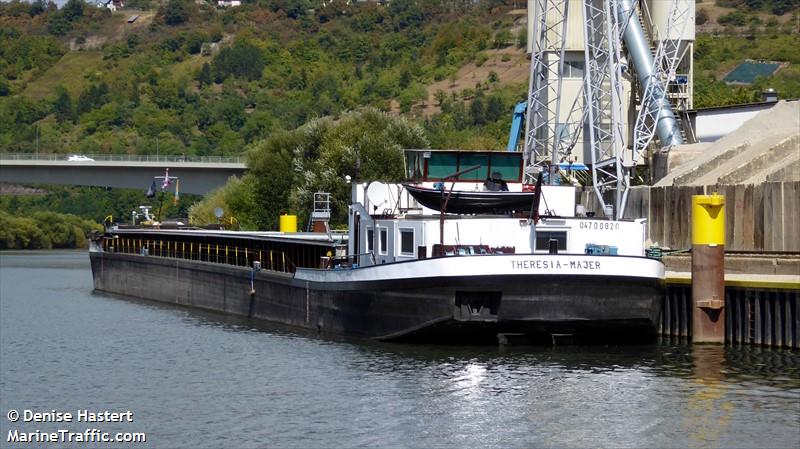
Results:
[467, 202]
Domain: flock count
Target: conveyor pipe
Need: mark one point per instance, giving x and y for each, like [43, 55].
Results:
[666, 126]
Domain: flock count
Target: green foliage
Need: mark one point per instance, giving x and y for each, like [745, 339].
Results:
[502, 38]
[522, 38]
[235, 198]
[44, 230]
[778, 7]
[713, 53]
[243, 60]
[288, 167]
[62, 107]
[96, 203]
[174, 12]
[204, 76]
[735, 18]
[73, 10]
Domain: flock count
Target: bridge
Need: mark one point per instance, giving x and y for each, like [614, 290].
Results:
[197, 174]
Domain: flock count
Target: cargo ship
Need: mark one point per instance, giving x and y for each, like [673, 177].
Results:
[409, 268]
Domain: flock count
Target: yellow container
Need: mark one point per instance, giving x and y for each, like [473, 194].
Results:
[708, 219]
[288, 223]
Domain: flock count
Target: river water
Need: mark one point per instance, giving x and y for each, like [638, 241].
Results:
[194, 379]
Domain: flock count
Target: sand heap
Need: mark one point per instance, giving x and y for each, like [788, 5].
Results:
[765, 148]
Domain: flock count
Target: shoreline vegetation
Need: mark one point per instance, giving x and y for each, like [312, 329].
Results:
[45, 230]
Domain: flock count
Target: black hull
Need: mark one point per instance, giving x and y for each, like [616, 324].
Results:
[464, 202]
[451, 309]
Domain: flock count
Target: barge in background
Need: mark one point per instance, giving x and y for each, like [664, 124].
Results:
[408, 272]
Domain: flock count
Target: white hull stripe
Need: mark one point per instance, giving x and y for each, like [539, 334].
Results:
[504, 265]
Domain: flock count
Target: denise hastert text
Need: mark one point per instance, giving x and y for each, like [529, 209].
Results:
[80, 416]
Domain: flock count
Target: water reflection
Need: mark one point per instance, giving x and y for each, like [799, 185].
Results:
[707, 412]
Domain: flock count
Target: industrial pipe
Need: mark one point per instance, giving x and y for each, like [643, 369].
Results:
[666, 126]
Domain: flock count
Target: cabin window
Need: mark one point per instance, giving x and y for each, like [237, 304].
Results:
[384, 239]
[471, 160]
[507, 165]
[543, 239]
[407, 242]
[370, 240]
[441, 165]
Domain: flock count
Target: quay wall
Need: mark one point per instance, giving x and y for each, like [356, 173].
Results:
[759, 217]
[762, 315]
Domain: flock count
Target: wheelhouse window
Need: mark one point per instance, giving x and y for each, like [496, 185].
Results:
[543, 239]
[407, 242]
[384, 240]
[439, 165]
[370, 240]
[507, 165]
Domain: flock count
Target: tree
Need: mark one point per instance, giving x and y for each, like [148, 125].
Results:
[73, 10]
[37, 7]
[62, 107]
[58, 25]
[243, 60]
[522, 38]
[289, 166]
[494, 108]
[502, 38]
[174, 12]
[440, 96]
[477, 112]
[204, 77]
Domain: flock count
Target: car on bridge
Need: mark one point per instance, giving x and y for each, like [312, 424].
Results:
[79, 158]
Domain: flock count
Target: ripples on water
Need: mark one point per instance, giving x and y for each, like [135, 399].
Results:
[203, 380]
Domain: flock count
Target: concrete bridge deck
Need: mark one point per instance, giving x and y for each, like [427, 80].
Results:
[197, 175]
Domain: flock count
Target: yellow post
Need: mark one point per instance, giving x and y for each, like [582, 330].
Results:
[191, 250]
[270, 261]
[217, 252]
[708, 268]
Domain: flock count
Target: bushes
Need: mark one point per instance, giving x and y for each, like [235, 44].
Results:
[44, 230]
[243, 60]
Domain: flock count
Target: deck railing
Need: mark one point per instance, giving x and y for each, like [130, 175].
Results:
[204, 252]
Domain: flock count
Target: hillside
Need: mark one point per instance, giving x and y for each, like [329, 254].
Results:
[187, 77]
